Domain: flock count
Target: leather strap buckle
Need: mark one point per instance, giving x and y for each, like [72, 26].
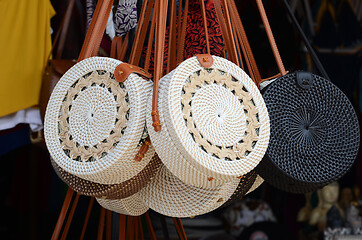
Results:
[205, 60]
[123, 70]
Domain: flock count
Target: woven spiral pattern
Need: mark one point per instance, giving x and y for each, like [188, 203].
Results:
[314, 136]
[96, 122]
[223, 130]
[93, 124]
[214, 118]
[111, 191]
[179, 167]
[131, 206]
[168, 195]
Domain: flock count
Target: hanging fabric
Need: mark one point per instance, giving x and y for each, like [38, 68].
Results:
[25, 47]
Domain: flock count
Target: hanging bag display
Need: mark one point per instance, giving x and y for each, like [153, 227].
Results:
[214, 121]
[95, 118]
[110, 191]
[314, 136]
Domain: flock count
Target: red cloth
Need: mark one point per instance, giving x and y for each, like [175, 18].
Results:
[195, 41]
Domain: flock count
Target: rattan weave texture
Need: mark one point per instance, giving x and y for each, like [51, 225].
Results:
[214, 120]
[93, 123]
[111, 191]
[314, 135]
[168, 195]
[131, 206]
[246, 182]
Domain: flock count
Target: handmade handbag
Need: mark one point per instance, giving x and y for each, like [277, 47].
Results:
[314, 131]
[56, 67]
[214, 121]
[95, 117]
[130, 206]
[94, 124]
[110, 191]
[168, 195]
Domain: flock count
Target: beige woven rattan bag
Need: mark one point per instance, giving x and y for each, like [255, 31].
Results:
[215, 126]
[110, 191]
[168, 195]
[94, 124]
[130, 206]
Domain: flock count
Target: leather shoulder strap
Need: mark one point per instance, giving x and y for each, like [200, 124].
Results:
[272, 42]
[96, 29]
[62, 31]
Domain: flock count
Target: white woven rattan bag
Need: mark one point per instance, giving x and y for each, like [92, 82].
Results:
[168, 195]
[131, 206]
[215, 126]
[94, 125]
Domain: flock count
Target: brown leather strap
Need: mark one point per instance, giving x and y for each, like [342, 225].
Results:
[116, 44]
[137, 49]
[135, 228]
[130, 227]
[204, 18]
[123, 49]
[122, 227]
[96, 29]
[108, 225]
[87, 216]
[142, 151]
[181, 42]
[62, 31]
[64, 28]
[140, 227]
[232, 52]
[244, 43]
[271, 37]
[123, 70]
[161, 14]
[150, 44]
[225, 32]
[138, 31]
[179, 228]
[150, 227]
[179, 28]
[205, 60]
[171, 56]
[70, 217]
[63, 213]
[101, 224]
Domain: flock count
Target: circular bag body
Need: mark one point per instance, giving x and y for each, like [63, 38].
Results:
[215, 126]
[131, 206]
[111, 191]
[94, 124]
[168, 195]
[314, 137]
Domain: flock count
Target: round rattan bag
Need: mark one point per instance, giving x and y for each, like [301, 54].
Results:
[215, 126]
[94, 124]
[110, 191]
[314, 137]
[168, 195]
[131, 206]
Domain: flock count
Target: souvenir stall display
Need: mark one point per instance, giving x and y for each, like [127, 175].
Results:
[170, 113]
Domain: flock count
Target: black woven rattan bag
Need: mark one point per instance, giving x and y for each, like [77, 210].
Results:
[314, 137]
[314, 130]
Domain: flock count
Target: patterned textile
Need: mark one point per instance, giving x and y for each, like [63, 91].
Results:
[124, 18]
[195, 40]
